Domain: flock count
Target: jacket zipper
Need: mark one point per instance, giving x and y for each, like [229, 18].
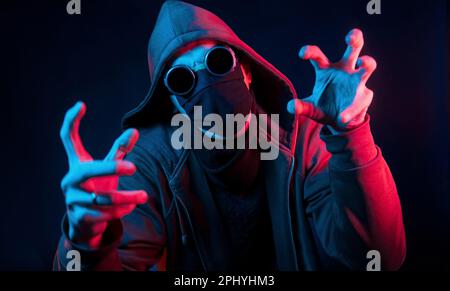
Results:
[193, 234]
[291, 171]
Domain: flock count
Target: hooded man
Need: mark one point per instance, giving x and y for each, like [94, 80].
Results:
[323, 202]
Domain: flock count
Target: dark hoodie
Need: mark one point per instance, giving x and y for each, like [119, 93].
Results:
[331, 198]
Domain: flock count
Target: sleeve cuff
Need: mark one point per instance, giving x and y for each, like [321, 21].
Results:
[351, 149]
[91, 258]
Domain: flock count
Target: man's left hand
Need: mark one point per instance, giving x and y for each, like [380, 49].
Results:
[340, 97]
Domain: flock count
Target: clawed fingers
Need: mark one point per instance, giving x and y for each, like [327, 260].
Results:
[340, 98]
[315, 55]
[366, 66]
[81, 172]
[121, 197]
[355, 42]
[109, 198]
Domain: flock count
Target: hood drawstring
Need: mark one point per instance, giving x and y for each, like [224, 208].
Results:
[184, 234]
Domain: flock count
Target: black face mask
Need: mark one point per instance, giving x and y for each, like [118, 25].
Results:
[222, 95]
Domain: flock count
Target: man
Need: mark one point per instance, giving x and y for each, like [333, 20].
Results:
[322, 203]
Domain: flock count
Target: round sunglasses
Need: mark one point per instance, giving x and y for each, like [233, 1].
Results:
[219, 60]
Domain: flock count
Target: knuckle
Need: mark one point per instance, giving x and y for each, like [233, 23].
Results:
[314, 51]
[370, 59]
[374, 63]
[344, 118]
[69, 117]
[369, 95]
[369, 62]
[67, 201]
[65, 182]
[81, 172]
[63, 133]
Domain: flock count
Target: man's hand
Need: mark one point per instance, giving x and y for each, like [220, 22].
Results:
[90, 187]
[340, 98]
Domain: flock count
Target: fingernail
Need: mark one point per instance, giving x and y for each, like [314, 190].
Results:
[143, 196]
[129, 132]
[125, 139]
[79, 106]
[302, 52]
[132, 137]
[126, 166]
[354, 38]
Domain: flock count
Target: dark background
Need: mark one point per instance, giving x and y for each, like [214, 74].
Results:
[50, 59]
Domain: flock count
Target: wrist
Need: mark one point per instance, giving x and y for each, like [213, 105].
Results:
[352, 125]
[103, 257]
[89, 239]
[350, 149]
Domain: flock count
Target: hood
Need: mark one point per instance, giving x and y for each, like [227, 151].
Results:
[179, 24]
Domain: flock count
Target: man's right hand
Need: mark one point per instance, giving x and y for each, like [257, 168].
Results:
[90, 186]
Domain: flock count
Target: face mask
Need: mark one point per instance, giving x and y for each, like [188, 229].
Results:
[218, 88]
[234, 170]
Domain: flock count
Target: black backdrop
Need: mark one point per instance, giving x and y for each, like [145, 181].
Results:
[50, 59]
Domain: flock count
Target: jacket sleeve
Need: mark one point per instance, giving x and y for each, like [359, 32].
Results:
[351, 198]
[137, 241]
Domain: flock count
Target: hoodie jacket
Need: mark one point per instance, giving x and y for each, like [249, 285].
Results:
[331, 198]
